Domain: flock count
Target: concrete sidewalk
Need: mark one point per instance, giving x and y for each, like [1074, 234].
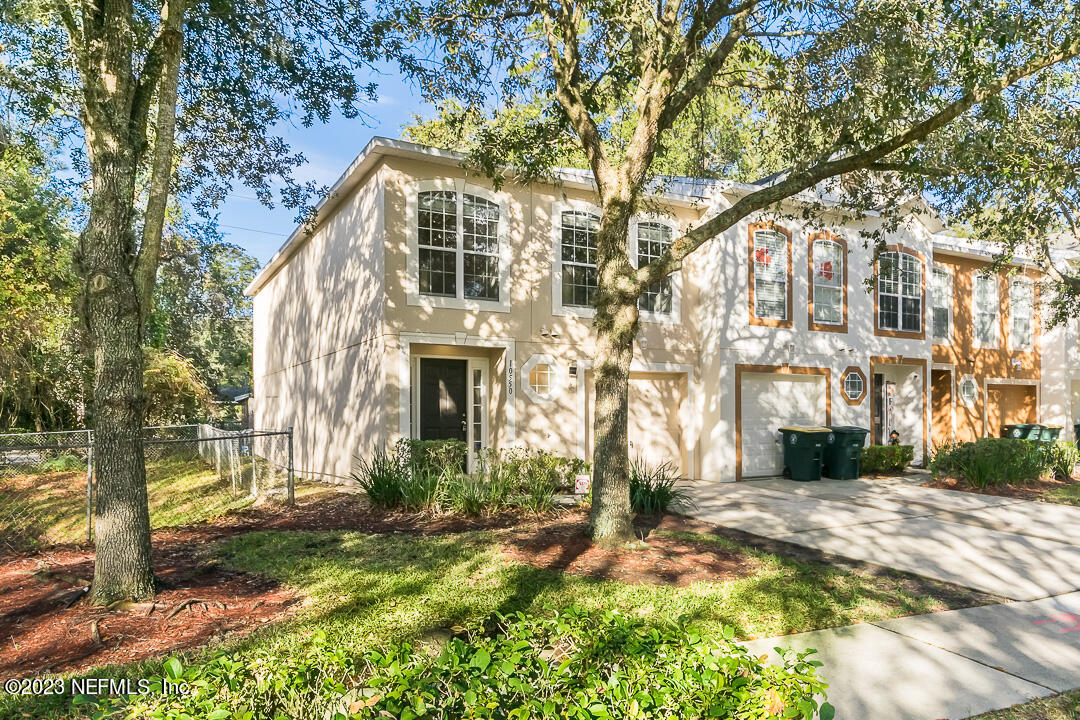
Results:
[1013, 548]
[946, 665]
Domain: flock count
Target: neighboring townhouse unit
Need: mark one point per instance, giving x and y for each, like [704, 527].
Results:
[427, 304]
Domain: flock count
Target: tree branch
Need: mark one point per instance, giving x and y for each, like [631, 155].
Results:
[146, 264]
[671, 259]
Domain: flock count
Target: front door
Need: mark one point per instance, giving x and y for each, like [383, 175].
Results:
[444, 412]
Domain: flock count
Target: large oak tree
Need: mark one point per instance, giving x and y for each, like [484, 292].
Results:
[133, 86]
[894, 96]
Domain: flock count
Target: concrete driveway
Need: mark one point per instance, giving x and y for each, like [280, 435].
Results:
[1018, 549]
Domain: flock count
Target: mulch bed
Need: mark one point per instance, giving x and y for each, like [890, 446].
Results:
[1032, 490]
[562, 545]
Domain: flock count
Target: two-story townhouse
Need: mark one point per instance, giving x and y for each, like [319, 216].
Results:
[426, 303]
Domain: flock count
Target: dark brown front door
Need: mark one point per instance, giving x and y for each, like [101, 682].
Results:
[443, 410]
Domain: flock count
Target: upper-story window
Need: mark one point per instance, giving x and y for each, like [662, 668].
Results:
[899, 292]
[986, 308]
[771, 271]
[1021, 313]
[941, 289]
[653, 239]
[828, 282]
[458, 255]
[578, 257]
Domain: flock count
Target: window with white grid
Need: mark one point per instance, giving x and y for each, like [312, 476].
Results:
[770, 275]
[853, 386]
[986, 306]
[941, 291]
[437, 242]
[480, 241]
[1021, 313]
[652, 240]
[899, 292]
[828, 282]
[578, 257]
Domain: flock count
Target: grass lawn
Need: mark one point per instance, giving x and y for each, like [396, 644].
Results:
[53, 505]
[1059, 707]
[1066, 495]
[362, 590]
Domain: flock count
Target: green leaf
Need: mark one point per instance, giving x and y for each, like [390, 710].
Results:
[481, 660]
[173, 668]
[827, 711]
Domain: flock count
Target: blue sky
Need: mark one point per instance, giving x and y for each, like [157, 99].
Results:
[329, 148]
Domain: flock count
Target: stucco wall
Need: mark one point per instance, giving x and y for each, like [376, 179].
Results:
[318, 345]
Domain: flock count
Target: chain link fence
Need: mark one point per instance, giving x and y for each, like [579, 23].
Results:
[193, 473]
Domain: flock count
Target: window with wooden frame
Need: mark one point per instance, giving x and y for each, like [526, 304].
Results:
[1021, 313]
[770, 275]
[941, 295]
[985, 309]
[827, 283]
[899, 295]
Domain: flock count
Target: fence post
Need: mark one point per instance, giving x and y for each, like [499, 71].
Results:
[291, 481]
[89, 486]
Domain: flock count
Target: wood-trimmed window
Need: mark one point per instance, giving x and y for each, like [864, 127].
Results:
[1021, 313]
[769, 285]
[985, 310]
[853, 385]
[827, 283]
[941, 295]
[900, 300]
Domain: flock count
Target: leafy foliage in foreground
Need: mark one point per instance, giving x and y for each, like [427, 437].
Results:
[428, 476]
[989, 462]
[886, 458]
[572, 665]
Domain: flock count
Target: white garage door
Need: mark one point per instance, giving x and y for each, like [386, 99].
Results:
[770, 401]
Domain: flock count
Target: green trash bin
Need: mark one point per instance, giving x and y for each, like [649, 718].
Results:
[1021, 431]
[1076, 432]
[1050, 433]
[843, 451]
[804, 449]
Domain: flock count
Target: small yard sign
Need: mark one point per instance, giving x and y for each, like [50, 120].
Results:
[581, 484]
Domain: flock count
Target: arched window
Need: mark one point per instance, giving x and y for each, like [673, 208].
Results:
[899, 292]
[770, 267]
[578, 257]
[828, 282]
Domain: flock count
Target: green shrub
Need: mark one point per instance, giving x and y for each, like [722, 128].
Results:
[571, 665]
[885, 458]
[435, 455]
[62, 463]
[383, 477]
[653, 490]
[989, 462]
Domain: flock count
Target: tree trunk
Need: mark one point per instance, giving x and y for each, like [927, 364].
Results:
[615, 325]
[110, 306]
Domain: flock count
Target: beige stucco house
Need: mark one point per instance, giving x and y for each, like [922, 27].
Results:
[427, 304]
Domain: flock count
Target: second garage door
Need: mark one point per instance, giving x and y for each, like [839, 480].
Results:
[770, 401]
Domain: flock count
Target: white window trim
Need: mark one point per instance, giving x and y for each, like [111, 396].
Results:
[960, 389]
[952, 292]
[676, 277]
[975, 275]
[558, 381]
[557, 210]
[1012, 283]
[413, 296]
[814, 282]
[843, 385]
[789, 262]
[900, 296]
